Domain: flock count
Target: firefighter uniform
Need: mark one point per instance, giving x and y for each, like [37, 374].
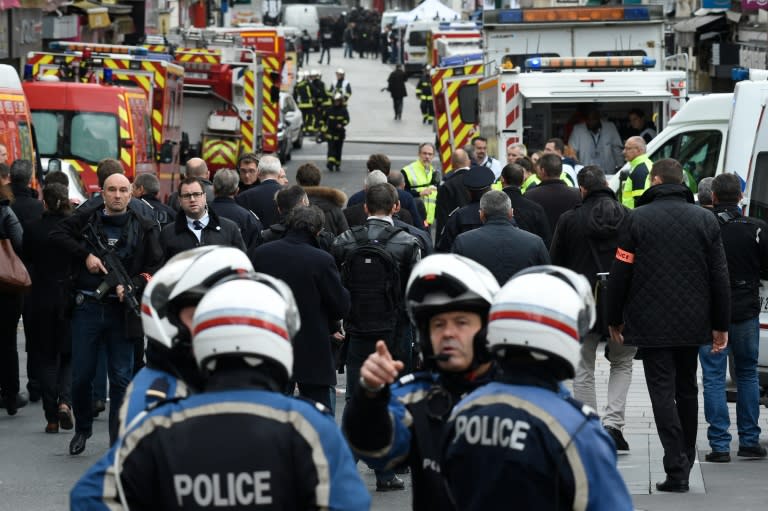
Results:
[424, 92]
[638, 180]
[341, 86]
[418, 178]
[336, 118]
[321, 100]
[304, 99]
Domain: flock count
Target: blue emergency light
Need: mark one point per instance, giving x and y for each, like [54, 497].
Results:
[29, 70]
[511, 16]
[107, 75]
[739, 73]
[460, 60]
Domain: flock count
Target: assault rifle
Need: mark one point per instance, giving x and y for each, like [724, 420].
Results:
[116, 273]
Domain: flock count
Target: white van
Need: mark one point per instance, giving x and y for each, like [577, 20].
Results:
[303, 17]
[415, 45]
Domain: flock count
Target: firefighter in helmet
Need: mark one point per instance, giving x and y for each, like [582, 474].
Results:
[424, 92]
[334, 131]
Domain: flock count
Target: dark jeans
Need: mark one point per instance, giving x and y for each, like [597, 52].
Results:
[93, 325]
[100, 380]
[398, 104]
[318, 393]
[56, 383]
[670, 374]
[325, 51]
[10, 311]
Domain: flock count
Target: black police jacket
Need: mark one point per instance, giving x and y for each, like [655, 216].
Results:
[745, 241]
[669, 281]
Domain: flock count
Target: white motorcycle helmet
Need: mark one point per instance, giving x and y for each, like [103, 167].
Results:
[544, 311]
[251, 317]
[183, 281]
[448, 282]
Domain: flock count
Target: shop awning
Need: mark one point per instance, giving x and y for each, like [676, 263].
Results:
[697, 23]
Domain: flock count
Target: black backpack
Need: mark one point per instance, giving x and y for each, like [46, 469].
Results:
[372, 276]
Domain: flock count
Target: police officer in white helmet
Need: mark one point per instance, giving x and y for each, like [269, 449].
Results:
[388, 420]
[240, 443]
[519, 440]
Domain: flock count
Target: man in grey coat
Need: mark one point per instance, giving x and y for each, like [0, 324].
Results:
[499, 244]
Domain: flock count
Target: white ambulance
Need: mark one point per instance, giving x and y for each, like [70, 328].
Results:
[546, 101]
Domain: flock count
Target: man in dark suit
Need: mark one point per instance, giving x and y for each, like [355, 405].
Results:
[452, 194]
[499, 245]
[529, 215]
[552, 193]
[261, 199]
[322, 300]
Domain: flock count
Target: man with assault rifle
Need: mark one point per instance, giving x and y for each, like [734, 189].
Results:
[114, 251]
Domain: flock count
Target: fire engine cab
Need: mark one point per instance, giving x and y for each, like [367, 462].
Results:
[142, 143]
[15, 121]
[222, 102]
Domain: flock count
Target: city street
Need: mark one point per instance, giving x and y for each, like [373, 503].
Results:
[36, 472]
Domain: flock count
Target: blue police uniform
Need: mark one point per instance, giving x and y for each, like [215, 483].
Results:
[525, 442]
[405, 423]
[228, 448]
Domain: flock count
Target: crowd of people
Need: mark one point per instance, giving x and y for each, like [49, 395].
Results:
[207, 315]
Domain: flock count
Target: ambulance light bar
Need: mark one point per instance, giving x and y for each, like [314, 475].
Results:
[539, 63]
[573, 14]
[98, 48]
[461, 25]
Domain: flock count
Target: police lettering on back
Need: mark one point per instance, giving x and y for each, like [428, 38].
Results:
[221, 490]
[492, 431]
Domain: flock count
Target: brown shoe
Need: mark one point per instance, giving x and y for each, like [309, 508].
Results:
[52, 427]
[66, 421]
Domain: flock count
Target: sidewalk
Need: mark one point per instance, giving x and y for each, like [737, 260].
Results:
[642, 466]
[370, 109]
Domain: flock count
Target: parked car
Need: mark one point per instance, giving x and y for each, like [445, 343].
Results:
[289, 132]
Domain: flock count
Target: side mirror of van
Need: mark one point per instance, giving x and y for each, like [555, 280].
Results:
[166, 152]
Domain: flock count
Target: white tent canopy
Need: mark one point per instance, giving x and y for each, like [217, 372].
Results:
[428, 10]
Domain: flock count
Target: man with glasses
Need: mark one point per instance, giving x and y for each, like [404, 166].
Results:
[196, 225]
[248, 168]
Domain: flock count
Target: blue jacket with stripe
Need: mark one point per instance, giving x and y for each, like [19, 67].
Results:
[230, 449]
[529, 445]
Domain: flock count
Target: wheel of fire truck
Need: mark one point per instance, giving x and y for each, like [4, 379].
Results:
[299, 140]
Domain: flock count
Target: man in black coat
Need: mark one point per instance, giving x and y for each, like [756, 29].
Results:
[669, 293]
[224, 188]
[322, 300]
[451, 193]
[145, 189]
[499, 245]
[26, 203]
[196, 225]
[396, 88]
[195, 167]
[529, 215]
[585, 241]
[552, 193]
[261, 199]
[28, 208]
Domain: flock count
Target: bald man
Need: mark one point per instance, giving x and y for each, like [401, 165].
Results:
[452, 194]
[102, 319]
[195, 167]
